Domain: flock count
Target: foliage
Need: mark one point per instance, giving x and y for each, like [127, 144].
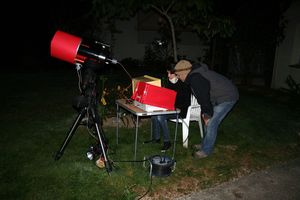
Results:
[106, 12]
[157, 54]
[71, 16]
[108, 95]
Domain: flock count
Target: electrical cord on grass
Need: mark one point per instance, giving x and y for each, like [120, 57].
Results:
[149, 187]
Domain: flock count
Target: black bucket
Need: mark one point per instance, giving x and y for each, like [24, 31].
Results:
[161, 166]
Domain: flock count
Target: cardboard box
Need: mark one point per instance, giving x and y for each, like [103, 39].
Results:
[153, 95]
[147, 79]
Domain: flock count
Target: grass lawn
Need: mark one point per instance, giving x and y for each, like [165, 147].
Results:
[36, 114]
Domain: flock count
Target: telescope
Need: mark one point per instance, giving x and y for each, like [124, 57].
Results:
[73, 49]
[88, 57]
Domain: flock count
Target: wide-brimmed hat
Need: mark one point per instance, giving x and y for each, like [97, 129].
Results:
[183, 65]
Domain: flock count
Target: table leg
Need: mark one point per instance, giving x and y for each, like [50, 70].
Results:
[151, 127]
[175, 136]
[136, 136]
[117, 132]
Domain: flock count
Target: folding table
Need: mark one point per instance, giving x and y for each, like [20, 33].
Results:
[138, 112]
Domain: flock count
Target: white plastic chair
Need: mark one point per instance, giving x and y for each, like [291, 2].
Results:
[193, 114]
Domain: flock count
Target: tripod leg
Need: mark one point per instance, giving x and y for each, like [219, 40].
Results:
[70, 134]
[106, 161]
[100, 135]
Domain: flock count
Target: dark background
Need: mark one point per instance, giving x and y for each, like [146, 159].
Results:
[28, 27]
[27, 30]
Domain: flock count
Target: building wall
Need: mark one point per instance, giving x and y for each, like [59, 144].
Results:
[288, 53]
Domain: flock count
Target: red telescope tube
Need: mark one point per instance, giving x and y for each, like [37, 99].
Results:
[65, 47]
[71, 48]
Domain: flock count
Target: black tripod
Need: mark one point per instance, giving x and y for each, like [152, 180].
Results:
[86, 105]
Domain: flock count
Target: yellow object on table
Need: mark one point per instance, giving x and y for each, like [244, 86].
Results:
[146, 78]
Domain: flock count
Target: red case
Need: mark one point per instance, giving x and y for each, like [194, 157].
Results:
[154, 95]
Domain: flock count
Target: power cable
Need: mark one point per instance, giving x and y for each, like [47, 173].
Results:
[150, 185]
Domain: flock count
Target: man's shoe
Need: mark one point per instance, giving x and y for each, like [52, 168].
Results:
[166, 146]
[152, 141]
[200, 154]
[197, 147]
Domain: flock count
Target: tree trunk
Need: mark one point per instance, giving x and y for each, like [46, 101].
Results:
[169, 19]
[173, 39]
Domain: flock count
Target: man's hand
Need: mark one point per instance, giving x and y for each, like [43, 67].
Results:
[205, 119]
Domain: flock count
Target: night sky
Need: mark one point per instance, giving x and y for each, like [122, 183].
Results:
[27, 31]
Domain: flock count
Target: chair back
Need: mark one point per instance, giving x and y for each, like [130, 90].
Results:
[195, 112]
